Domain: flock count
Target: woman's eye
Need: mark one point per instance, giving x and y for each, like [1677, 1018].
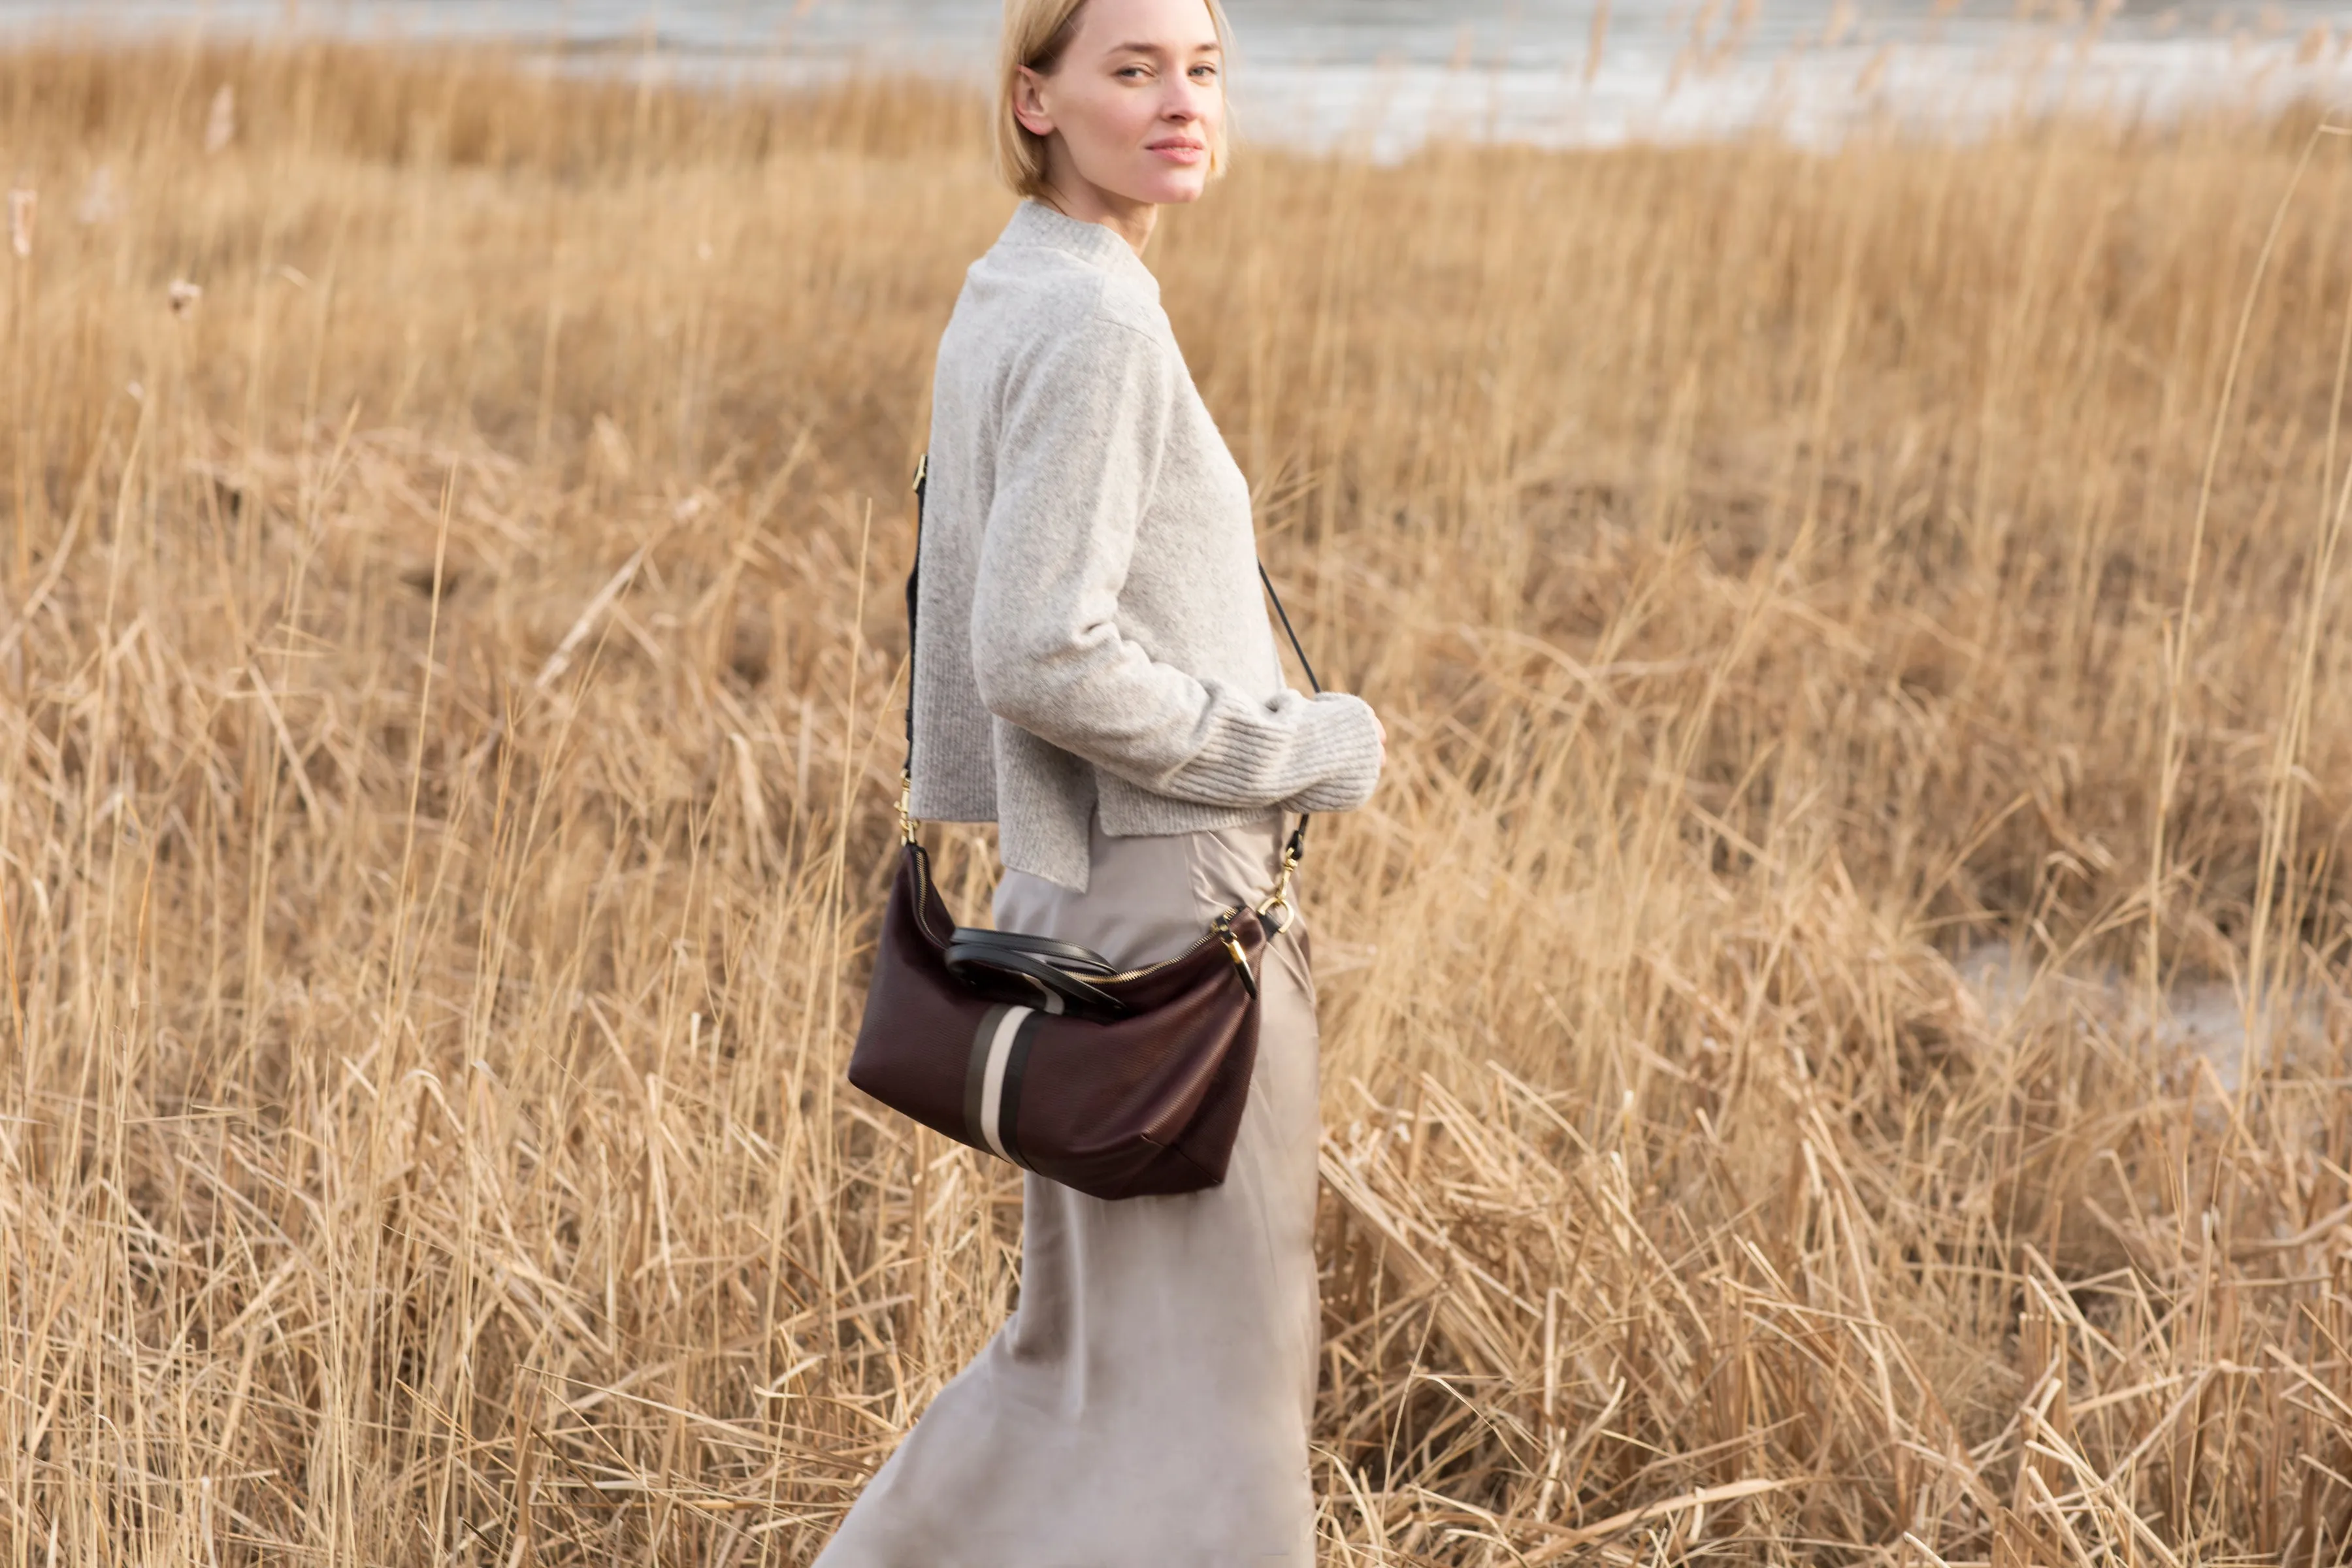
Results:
[1206, 73]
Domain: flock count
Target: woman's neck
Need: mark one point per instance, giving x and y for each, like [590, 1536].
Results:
[1074, 196]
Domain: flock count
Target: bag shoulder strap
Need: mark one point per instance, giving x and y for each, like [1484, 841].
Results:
[1293, 849]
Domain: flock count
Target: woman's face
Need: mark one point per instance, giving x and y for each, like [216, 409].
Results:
[1136, 98]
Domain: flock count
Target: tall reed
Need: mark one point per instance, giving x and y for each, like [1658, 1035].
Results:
[448, 656]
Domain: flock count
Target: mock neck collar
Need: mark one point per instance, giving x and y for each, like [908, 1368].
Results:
[1097, 245]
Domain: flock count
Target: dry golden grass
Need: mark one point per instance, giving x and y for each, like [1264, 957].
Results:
[447, 673]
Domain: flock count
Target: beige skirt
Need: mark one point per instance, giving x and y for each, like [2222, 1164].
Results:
[1147, 1404]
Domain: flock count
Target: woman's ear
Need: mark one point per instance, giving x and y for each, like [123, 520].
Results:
[1029, 104]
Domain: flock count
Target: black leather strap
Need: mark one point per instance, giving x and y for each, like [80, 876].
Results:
[1297, 847]
[976, 963]
[1068, 954]
[914, 575]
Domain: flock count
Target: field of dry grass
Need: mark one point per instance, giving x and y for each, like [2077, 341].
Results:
[447, 664]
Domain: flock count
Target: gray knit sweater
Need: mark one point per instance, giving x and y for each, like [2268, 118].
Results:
[1092, 638]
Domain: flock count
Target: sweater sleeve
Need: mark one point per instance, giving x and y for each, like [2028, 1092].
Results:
[1086, 417]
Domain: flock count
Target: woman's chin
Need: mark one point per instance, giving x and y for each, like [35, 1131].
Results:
[1173, 187]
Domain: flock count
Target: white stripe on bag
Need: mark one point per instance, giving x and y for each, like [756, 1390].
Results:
[992, 1082]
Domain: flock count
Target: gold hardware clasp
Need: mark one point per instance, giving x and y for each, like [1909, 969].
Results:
[1280, 898]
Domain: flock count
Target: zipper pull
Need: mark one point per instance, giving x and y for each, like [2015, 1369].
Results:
[1224, 932]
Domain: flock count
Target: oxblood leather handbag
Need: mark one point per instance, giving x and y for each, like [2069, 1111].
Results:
[1117, 1083]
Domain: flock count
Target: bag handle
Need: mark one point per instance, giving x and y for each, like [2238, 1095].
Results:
[1066, 955]
[977, 964]
[1293, 850]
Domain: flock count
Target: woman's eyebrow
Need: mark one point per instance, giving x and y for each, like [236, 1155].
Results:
[1209, 49]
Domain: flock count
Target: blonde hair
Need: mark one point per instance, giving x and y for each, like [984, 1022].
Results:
[1036, 35]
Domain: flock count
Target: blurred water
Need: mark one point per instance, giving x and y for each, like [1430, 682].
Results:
[2207, 1018]
[1385, 74]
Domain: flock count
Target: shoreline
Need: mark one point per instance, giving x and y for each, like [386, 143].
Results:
[1959, 82]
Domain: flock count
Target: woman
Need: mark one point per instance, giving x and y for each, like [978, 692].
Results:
[1098, 675]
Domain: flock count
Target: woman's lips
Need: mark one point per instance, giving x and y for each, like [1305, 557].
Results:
[1179, 150]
